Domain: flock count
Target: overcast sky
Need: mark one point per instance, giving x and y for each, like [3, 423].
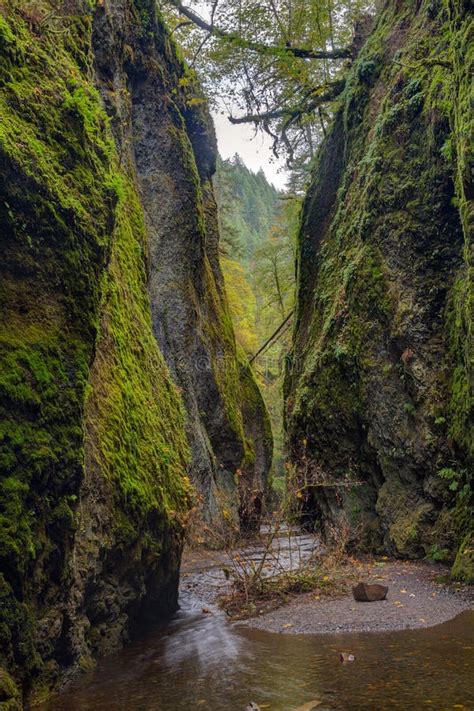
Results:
[255, 151]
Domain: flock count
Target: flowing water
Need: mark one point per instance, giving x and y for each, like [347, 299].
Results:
[203, 662]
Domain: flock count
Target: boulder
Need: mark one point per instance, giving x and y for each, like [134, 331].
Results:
[363, 592]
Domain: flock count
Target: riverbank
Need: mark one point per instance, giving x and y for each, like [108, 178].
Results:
[417, 597]
[201, 659]
[420, 595]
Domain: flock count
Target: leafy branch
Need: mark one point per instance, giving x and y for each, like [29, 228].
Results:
[328, 93]
[259, 47]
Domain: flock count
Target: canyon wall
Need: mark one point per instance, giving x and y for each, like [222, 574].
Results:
[379, 388]
[121, 390]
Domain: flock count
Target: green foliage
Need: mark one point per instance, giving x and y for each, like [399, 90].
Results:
[258, 263]
[242, 304]
[439, 555]
[463, 568]
[248, 206]
[451, 476]
[248, 63]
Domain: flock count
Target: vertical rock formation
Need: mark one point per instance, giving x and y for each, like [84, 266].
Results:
[165, 120]
[110, 291]
[379, 396]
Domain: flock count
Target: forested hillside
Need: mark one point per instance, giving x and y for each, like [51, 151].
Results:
[258, 228]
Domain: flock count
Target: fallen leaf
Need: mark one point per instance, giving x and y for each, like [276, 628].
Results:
[309, 706]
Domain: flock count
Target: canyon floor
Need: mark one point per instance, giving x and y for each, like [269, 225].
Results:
[419, 595]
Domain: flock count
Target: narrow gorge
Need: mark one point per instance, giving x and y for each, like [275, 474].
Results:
[133, 418]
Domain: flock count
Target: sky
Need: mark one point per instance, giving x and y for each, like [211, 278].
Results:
[255, 150]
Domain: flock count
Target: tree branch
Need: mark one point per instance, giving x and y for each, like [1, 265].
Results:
[332, 92]
[234, 37]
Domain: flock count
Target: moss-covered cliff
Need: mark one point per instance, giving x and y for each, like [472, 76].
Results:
[109, 252]
[175, 158]
[379, 396]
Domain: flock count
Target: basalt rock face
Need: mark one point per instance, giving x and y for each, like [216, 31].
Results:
[174, 151]
[379, 393]
[97, 427]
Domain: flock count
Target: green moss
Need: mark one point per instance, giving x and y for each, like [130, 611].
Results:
[57, 218]
[10, 697]
[385, 245]
[463, 568]
[135, 418]
[83, 385]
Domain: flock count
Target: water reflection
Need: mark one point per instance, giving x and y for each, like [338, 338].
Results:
[199, 661]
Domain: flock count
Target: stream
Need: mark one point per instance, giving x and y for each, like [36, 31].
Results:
[202, 661]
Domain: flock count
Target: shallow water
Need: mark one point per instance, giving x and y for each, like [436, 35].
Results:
[203, 662]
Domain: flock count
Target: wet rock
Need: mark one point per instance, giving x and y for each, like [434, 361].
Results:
[346, 657]
[364, 592]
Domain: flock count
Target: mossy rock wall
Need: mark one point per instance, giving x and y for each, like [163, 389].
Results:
[379, 389]
[97, 434]
[174, 153]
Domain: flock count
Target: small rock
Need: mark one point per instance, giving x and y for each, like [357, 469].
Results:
[346, 657]
[363, 592]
